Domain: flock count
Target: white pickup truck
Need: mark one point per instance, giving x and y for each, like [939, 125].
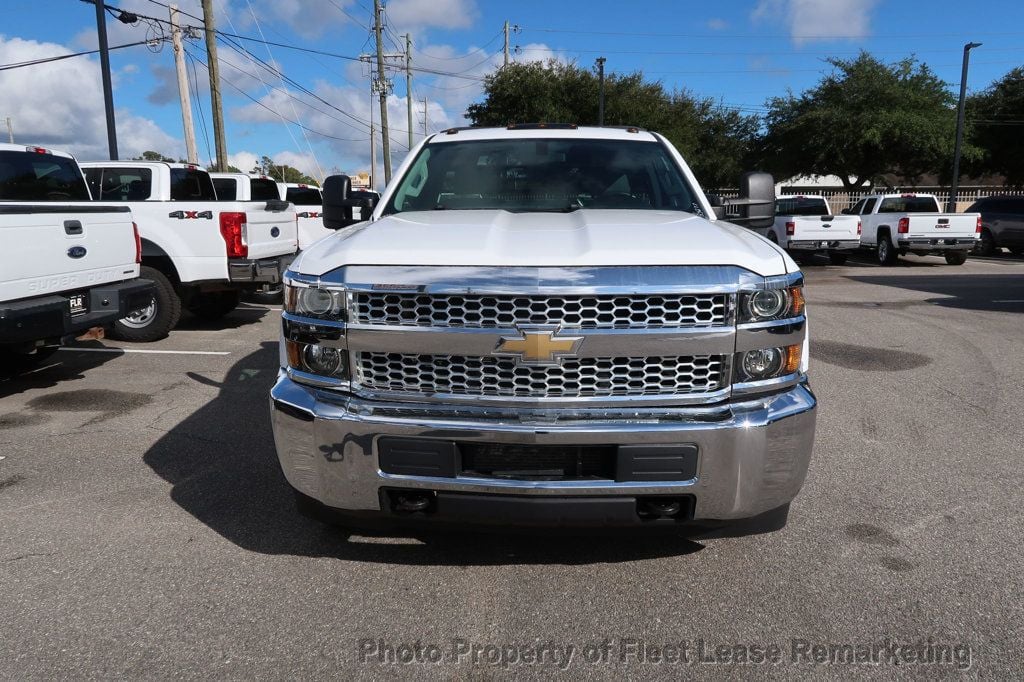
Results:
[67, 265]
[201, 252]
[898, 224]
[805, 225]
[546, 325]
[309, 204]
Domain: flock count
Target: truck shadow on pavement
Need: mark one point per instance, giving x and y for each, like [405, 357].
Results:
[63, 366]
[223, 468]
[1002, 293]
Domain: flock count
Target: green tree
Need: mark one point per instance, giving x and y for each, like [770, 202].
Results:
[714, 140]
[862, 121]
[997, 116]
[153, 156]
[281, 172]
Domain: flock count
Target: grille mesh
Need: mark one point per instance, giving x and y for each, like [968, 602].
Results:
[502, 377]
[583, 312]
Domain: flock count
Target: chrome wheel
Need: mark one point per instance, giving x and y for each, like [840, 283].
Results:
[142, 317]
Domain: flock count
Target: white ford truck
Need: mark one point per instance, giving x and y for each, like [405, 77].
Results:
[545, 325]
[309, 204]
[201, 252]
[805, 225]
[898, 224]
[67, 265]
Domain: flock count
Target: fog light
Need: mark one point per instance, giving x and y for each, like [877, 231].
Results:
[323, 360]
[763, 363]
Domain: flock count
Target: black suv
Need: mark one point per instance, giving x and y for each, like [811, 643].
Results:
[1002, 224]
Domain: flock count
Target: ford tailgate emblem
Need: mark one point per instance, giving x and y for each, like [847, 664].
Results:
[76, 251]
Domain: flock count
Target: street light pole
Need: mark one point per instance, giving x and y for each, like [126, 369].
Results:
[955, 187]
[600, 87]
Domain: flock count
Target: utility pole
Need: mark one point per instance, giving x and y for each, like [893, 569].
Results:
[10, 131]
[424, 117]
[373, 144]
[506, 42]
[183, 93]
[600, 82]
[214, 70]
[382, 90]
[408, 83]
[955, 187]
[108, 90]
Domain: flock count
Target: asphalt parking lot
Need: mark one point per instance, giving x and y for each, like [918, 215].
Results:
[147, 531]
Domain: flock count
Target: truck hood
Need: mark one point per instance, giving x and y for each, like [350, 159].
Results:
[582, 238]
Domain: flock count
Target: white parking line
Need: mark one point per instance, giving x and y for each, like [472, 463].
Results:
[153, 352]
[1009, 300]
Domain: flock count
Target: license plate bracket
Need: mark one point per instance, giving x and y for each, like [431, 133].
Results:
[77, 304]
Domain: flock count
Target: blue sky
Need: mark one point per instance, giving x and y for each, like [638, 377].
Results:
[738, 52]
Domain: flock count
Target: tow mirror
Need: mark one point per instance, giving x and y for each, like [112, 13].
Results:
[339, 202]
[717, 205]
[755, 206]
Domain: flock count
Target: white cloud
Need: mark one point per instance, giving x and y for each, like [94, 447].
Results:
[432, 13]
[818, 19]
[717, 24]
[243, 161]
[60, 105]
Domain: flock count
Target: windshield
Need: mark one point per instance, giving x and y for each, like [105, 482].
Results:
[304, 196]
[802, 206]
[525, 175]
[31, 176]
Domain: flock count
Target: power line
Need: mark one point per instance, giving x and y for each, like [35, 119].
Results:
[256, 101]
[46, 60]
[748, 36]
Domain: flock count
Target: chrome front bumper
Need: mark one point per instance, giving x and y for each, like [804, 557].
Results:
[753, 455]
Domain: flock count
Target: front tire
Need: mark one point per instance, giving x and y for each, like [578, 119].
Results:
[956, 257]
[886, 253]
[157, 319]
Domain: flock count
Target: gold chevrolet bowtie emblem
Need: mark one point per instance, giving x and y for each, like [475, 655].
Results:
[538, 346]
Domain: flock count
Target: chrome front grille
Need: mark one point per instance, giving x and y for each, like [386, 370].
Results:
[579, 312]
[499, 377]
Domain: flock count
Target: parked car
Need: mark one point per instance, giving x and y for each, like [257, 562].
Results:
[898, 224]
[201, 252]
[805, 225]
[546, 326]
[1002, 224]
[67, 265]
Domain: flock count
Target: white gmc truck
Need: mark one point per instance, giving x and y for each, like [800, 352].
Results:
[805, 225]
[545, 325]
[200, 252]
[67, 265]
[897, 224]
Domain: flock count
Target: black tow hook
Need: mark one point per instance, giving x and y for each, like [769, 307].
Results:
[411, 502]
[656, 507]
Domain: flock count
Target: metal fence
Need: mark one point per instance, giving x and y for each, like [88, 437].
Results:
[838, 199]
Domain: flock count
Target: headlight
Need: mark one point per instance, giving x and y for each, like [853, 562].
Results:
[767, 363]
[316, 358]
[771, 304]
[314, 301]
